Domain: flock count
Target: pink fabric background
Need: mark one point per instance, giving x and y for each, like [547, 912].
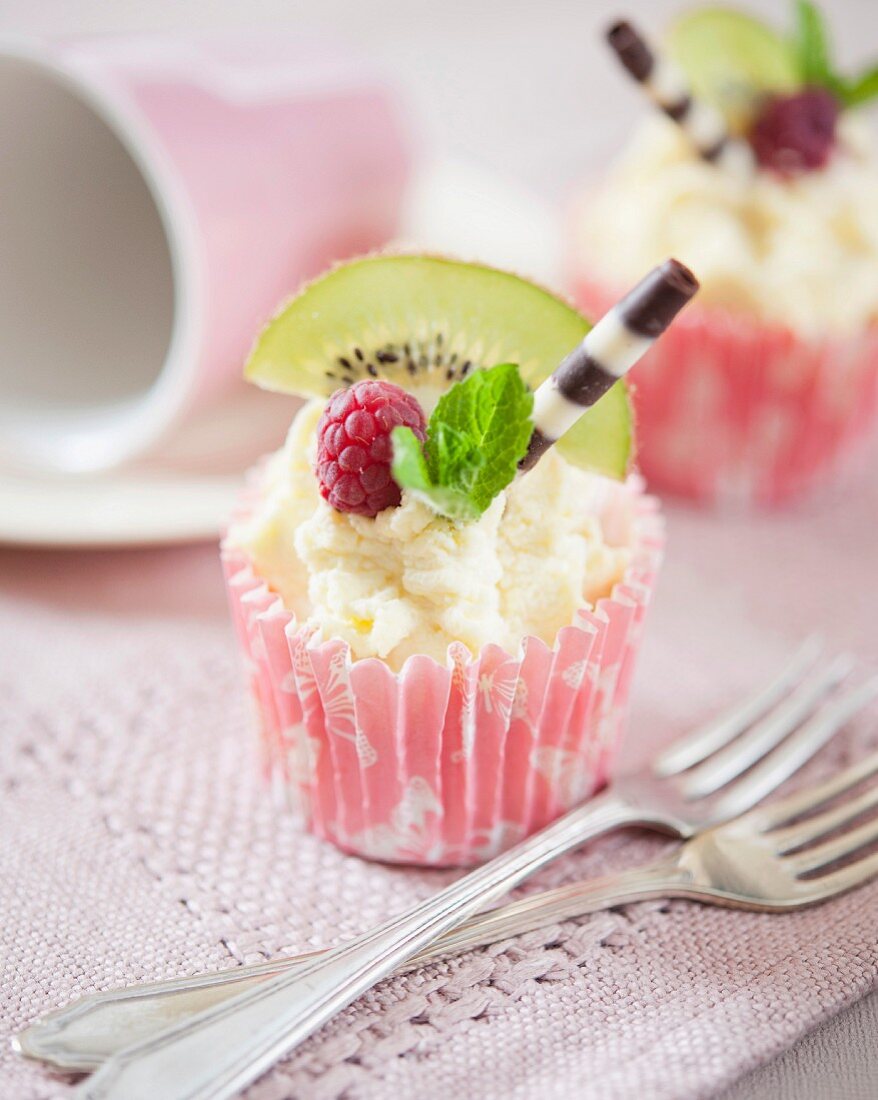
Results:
[136, 841]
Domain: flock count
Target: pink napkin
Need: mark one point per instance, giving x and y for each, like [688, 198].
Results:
[137, 841]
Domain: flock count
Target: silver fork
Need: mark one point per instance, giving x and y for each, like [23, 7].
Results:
[84, 1034]
[720, 772]
[745, 863]
[756, 861]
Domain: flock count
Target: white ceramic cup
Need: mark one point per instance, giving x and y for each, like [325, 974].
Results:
[158, 198]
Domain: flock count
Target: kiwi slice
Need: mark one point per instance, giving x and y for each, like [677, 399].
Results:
[426, 322]
[732, 61]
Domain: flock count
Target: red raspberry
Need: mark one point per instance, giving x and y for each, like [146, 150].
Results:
[797, 132]
[354, 451]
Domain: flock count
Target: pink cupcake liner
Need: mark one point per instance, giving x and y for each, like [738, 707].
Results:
[444, 765]
[732, 411]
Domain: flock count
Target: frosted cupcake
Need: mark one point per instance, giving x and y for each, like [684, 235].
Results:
[759, 173]
[440, 581]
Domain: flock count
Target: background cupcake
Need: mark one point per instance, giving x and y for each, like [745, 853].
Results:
[762, 176]
[441, 609]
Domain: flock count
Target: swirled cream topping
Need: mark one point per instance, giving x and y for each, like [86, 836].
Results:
[799, 252]
[409, 581]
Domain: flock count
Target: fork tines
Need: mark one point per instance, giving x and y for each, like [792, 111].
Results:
[802, 844]
[745, 754]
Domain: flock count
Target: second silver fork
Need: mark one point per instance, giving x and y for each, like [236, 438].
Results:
[719, 773]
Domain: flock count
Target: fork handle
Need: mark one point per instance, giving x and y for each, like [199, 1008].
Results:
[82, 1035]
[213, 1055]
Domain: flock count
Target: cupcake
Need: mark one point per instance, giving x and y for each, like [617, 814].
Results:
[439, 582]
[759, 172]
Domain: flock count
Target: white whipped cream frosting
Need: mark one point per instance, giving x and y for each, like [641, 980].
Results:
[409, 581]
[802, 253]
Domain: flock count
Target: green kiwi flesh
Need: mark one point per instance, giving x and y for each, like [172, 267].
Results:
[426, 322]
[732, 61]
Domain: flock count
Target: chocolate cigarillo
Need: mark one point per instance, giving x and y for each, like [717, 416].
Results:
[622, 336]
[667, 88]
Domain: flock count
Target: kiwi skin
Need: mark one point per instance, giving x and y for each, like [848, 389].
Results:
[425, 322]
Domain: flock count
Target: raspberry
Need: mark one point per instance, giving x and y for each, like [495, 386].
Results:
[797, 132]
[354, 451]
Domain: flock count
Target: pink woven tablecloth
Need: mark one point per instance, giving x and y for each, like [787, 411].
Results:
[137, 842]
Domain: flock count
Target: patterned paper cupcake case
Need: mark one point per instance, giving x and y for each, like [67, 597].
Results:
[445, 765]
[735, 412]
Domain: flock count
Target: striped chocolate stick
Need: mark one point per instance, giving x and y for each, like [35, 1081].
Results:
[609, 350]
[667, 88]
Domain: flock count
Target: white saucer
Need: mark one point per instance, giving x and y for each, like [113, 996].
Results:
[124, 509]
[453, 207]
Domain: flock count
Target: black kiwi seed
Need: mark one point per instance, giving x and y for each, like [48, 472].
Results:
[432, 356]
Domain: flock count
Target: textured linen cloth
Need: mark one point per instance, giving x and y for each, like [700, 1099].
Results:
[138, 842]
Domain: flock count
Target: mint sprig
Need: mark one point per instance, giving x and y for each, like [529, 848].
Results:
[861, 89]
[811, 43]
[813, 51]
[476, 436]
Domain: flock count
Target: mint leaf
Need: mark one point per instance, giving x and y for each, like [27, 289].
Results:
[490, 413]
[410, 472]
[476, 436]
[812, 46]
[409, 467]
[862, 89]
[451, 450]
